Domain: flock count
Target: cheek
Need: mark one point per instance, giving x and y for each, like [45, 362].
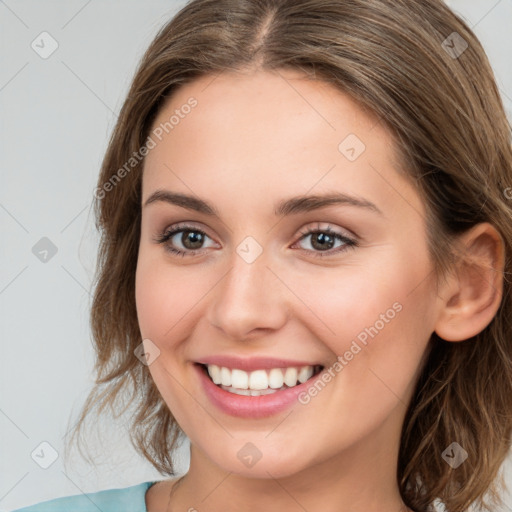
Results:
[347, 301]
[150, 300]
[377, 317]
[165, 310]
[165, 298]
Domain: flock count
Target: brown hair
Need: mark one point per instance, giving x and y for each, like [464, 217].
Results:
[446, 115]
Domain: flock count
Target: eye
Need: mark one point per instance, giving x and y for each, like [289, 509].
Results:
[322, 241]
[191, 240]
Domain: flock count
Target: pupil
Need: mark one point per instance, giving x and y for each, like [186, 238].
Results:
[195, 239]
[321, 240]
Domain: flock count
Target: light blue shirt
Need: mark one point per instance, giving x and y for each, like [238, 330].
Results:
[127, 499]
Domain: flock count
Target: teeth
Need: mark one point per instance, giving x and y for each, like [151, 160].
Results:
[290, 376]
[305, 373]
[257, 379]
[239, 379]
[251, 392]
[214, 372]
[275, 378]
[253, 383]
[246, 392]
[225, 377]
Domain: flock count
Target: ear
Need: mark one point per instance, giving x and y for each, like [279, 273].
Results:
[471, 294]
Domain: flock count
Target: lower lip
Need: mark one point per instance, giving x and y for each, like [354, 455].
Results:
[251, 406]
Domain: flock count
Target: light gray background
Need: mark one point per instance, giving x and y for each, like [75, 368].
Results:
[56, 116]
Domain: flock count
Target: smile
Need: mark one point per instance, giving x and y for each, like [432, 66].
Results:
[254, 387]
[259, 382]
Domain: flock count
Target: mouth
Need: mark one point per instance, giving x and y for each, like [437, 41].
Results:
[259, 381]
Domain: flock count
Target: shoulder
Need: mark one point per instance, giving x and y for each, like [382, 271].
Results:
[127, 499]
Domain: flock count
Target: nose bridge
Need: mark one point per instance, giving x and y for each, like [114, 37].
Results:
[248, 297]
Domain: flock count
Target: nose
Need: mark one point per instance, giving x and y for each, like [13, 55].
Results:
[250, 300]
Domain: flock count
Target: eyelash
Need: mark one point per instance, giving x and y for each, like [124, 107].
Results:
[165, 236]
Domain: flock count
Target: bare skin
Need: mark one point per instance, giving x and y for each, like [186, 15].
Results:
[255, 139]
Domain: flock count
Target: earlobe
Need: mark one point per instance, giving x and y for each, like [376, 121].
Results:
[471, 294]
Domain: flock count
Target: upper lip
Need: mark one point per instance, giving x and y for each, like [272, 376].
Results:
[254, 363]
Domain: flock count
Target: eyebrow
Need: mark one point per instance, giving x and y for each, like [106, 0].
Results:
[291, 206]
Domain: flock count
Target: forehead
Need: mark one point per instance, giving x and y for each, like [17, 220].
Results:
[249, 130]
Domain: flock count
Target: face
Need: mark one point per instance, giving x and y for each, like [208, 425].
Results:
[267, 282]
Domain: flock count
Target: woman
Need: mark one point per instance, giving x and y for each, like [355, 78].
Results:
[305, 261]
